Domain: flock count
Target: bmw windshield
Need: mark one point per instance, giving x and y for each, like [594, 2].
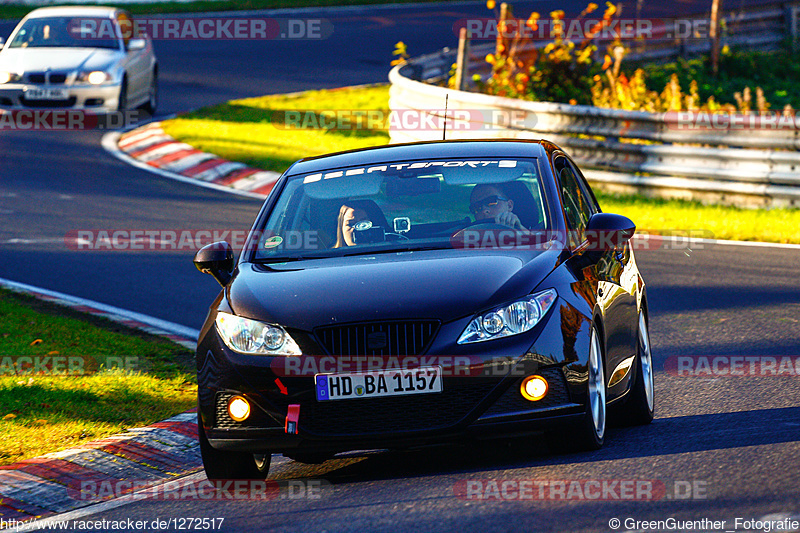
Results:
[399, 206]
[67, 32]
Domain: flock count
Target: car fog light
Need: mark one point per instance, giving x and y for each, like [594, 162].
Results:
[533, 388]
[238, 408]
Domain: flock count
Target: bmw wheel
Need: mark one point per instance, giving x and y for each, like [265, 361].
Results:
[152, 96]
[122, 101]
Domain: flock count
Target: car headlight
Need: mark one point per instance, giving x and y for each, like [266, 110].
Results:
[8, 77]
[512, 319]
[255, 338]
[95, 77]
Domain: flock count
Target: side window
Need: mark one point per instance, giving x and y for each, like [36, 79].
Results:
[577, 207]
[126, 27]
[591, 203]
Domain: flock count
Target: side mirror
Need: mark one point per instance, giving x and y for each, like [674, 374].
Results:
[216, 259]
[606, 231]
[136, 44]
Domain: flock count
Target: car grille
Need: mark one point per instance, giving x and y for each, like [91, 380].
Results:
[43, 77]
[396, 413]
[381, 338]
[512, 401]
[70, 102]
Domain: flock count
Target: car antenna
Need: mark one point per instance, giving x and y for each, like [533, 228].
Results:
[444, 130]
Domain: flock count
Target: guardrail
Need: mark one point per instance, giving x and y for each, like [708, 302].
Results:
[762, 27]
[623, 150]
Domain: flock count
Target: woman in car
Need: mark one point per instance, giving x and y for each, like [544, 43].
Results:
[346, 225]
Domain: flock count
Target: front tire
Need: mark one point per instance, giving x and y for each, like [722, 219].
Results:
[591, 432]
[641, 406]
[152, 96]
[220, 465]
[122, 101]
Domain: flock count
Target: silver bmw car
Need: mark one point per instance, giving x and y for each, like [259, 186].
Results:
[78, 58]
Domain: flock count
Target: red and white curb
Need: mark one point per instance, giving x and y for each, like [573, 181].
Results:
[148, 147]
[51, 484]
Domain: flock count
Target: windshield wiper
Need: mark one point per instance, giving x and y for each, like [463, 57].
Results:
[287, 259]
[374, 251]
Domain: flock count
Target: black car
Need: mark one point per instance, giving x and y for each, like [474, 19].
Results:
[418, 294]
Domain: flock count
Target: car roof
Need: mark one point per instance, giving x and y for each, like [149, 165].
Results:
[423, 150]
[73, 11]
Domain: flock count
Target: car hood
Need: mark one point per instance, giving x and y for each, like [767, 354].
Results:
[444, 285]
[56, 59]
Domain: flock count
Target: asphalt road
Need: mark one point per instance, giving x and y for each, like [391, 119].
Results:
[733, 440]
[720, 448]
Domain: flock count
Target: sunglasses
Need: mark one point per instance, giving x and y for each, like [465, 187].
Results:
[489, 201]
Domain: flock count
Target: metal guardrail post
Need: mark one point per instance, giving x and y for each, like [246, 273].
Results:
[792, 15]
[462, 63]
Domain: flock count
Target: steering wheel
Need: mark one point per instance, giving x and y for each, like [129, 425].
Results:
[479, 225]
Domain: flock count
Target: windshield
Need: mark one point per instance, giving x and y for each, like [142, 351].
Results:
[399, 206]
[75, 32]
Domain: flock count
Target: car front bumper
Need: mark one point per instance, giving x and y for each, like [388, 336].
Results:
[474, 404]
[102, 98]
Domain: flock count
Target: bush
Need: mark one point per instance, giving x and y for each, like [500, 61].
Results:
[561, 71]
[565, 72]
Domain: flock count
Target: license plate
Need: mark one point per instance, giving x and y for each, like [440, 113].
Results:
[378, 383]
[35, 93]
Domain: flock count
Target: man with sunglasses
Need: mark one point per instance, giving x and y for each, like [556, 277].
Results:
[490, 203]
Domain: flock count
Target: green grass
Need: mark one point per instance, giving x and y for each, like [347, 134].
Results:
[17, 11]
[81, 396]
[705, 221]
[251, 131]
[254, 130]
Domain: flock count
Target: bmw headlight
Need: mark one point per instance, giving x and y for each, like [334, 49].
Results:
[95, 77]
[255, 338]
[512, 319]
[8, 77]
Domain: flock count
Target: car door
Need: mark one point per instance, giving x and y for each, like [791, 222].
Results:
[616, 287]
[137, 62]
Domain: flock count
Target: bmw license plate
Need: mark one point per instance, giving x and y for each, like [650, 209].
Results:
[36, 93]
[378, 383]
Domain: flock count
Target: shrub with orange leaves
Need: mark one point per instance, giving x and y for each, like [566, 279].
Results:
[613, 89]
[561, 71]
[566, 71]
